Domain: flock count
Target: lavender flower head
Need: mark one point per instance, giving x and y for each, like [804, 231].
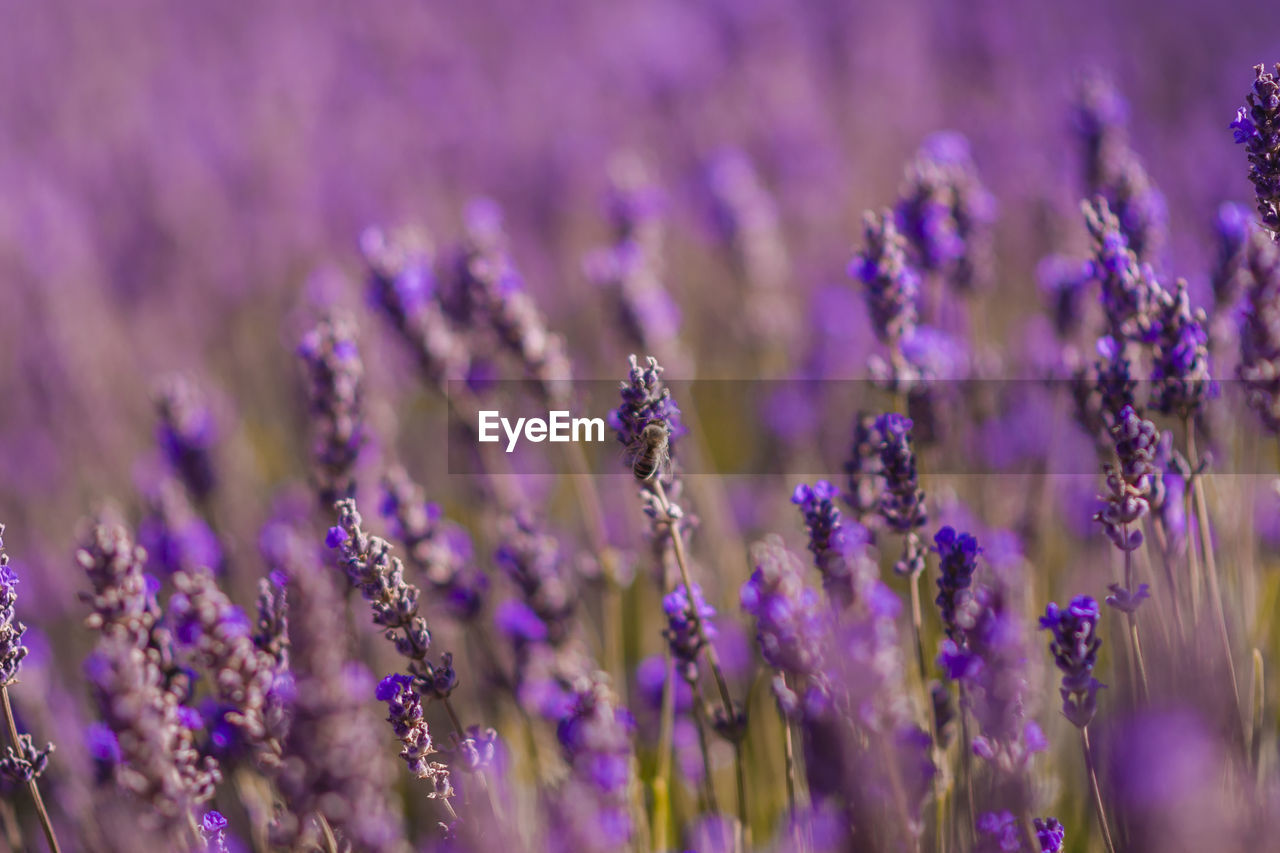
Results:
[645, 399]
[213, 827]
[1229, 277]
[1062, 280]
[175, 536]
[404, 708]
[1257, 128]
[1074, 647]
[216, 635]
[689, 627]
[834, 547]
[1114, 171]
[890, 284]
[532, 559]
[1130, 292]
[440, 550]
[491, 283]
[335, 377]
[402, 285]
[186, 434]
[958, 560]
[862, 468]
[1050, 835]
[988, 658]
[945, 212]
[1129, 486]
[902, 502]
[12, 650]
[788, 624]
[595, 737]
[1259, 368]
[1181, 372]
[379, 576]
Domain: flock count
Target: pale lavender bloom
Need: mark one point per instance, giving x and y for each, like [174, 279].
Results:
[335, 391]
[1259, 368]
[186, 434]
[215, 635]
[333, 757]
[440, 550]
[402, 286]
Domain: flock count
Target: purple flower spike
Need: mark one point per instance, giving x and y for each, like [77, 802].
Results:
[1050, 835]
[688, 627]
[830, 543]
[404, 708]
[958, 556]
[1074, 648]
[213, 827]
[335, 383]
[1257, 128]
[891, 285]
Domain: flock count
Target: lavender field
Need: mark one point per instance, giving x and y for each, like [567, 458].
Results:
[934, 351]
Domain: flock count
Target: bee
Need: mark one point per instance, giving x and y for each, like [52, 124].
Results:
[650, 450]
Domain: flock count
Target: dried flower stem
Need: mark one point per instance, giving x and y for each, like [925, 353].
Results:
[1132, 618]
[32, 786]
[666, 734]
[1097, 792]
[330, 841]
[677, 544]
[1206, 542]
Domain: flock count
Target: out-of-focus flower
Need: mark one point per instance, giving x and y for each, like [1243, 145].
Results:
[1259, 368]
[1114, 171]
[890, 284]
[531, 558]
[216, 636]
[1130, 293]
[439, 549]
[1181, 373]
[946, 213]
[788, 625]
[186, 434]
[1229, 276]
[1129, 486]
[902, 502]
[335, 378]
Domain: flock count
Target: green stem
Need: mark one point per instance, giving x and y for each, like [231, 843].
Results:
[1097, 792]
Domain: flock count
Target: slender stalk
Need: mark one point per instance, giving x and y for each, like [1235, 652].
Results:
[662, 778]
[744, 828]
[1258, 706]
[677, 545]
[1206, 542]
[34, 788]
[709, 787]
[1132, 619]
[708, 650]
[966, 769]
[330, 840]
[1097, 792]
